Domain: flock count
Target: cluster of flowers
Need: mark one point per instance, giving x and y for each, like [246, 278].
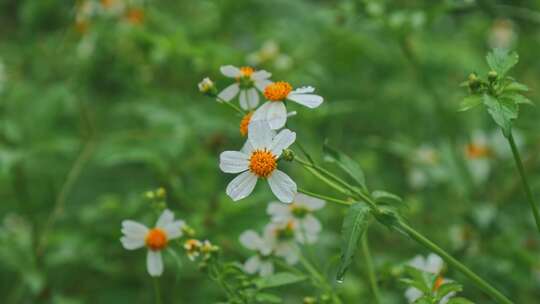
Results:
[128, 10]
[290, 225]
[267, 139]
[136, 235]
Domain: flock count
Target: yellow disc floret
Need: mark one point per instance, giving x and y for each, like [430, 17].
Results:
[277, 91]
[477, 151]
[246, 71]
[262, 163]
[156, 239]
[244, 123]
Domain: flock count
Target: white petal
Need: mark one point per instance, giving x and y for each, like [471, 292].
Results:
[230, 71]
[308, 100]
[418, 262]
[259, 134]
[434, 263]
[174, 229]
[303, 90]
[278, 211]
[166, 218]
[229, 92]
[283, 187]
[311, 224]
[276, 115]
[261, 113]
[262, 84]
[412, 294]
[252, 264]
[241, 186]
[233, 162]
[131, 243]
[260, 75]
[288, 251]
[154, 263]
[312, 203]
[250, 239]
[252, 98]
[283, 140]
[266, 268]
[134, 229]
[243, 99]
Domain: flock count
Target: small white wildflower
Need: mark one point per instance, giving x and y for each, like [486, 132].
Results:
[261, 262]
[248, 81]
[434, 265]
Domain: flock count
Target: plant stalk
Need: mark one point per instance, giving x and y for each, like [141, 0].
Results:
[372, 276]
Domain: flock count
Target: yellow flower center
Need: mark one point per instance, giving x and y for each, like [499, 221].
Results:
[277, 91]
[244, 123]
[246, 71]
[156, 239]
[135, 16]
[476, 151]
[262, 163]
[438, 283]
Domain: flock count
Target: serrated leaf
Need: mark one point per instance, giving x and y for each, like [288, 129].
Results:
[348, 165]
[502, 112]
[469, 102]
[355, 224]
[516, 86]
[459, 301]
[278, 279]
[386, 197]
[501, 61]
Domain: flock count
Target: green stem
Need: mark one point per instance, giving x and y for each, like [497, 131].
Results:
[486, 287]
[231, 105]
[324, 197]
[320, 279]
[156, 290]
[524, 181]
[370, 269]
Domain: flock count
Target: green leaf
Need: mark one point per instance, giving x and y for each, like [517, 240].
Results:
[502, 112]
[278, 279]
[516, 98]
[421, 280]
[354, 224]
[516, 86]
[469, 102]
[386, 197]
[501, 61]
[423, 300]
[459, 301]
[447, 288]
[267, 298]
[348, 165]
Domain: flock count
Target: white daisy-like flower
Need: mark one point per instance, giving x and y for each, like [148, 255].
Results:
[248, 81]
[478, 154]
[137, 235]
[432, 264]
[261, 262]
[300, 212]
[283, 236]
[259, 159]
[274, 110]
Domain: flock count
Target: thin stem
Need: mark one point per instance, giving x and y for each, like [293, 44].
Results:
[370, 269]
[486, 287]
[231, 105]
[156, 290]
[521, 170]
[324, 197]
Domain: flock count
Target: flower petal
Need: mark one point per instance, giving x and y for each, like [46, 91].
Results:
[308, 100]
[251, 240]
[242, 99]
[154, 263]
[260, 75]
[278, 211]
[262, 84]
[252, 98]
[132, 243]
[266, 268]
[252, 264]
[303, 90]
[259, 134]
[312, 203]
[229, 92]
[283, 140]
[174, 229]
[241, 186]
[283, 187]
[311, 224]
[276, 115]
[233, 162]
[134, 229]
[166, 218]
[434, 263]
[230, 71]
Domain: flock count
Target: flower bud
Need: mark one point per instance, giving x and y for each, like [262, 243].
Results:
[161, 192]
[206, 86]
[492, 76]
[474, 82]
[288, 155]
[310, 300]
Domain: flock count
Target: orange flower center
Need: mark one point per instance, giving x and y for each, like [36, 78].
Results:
[476, 151]
[192, 244]
[135, 16]
[262, 163]
[156, 239]
[277, 91]
[438, 283]
[246, 71]
[107, 3]
[244, 123]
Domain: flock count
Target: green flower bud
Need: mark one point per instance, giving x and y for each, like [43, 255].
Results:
[474, 82]
[492, 76]
[288, 155]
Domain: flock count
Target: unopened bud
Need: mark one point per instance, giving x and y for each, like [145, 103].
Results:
[310, 300]
[474, 82]
[161, 192]
[206, 86]
[288, 155]
[492, 76]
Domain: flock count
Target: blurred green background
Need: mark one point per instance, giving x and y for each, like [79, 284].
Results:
[99, 103]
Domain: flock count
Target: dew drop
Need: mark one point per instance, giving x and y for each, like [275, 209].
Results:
[339, 280]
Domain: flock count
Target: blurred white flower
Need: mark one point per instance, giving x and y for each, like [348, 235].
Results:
[300, 212]
[502, 34]
[248, 81]
[426, 166]
[478, 155]
[261, 262]
[269, 53]
[113, 8]
[283, 240]
[434, 265]
[259, 159]
[274, 110]
[137, 235]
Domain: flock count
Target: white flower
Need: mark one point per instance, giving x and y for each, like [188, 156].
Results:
[434, 265]
[248, 81]
[283, 240]
[259, 159]
[137, 235]
[478, 153]
[261, 262]
[274, 110]
[300, 211]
